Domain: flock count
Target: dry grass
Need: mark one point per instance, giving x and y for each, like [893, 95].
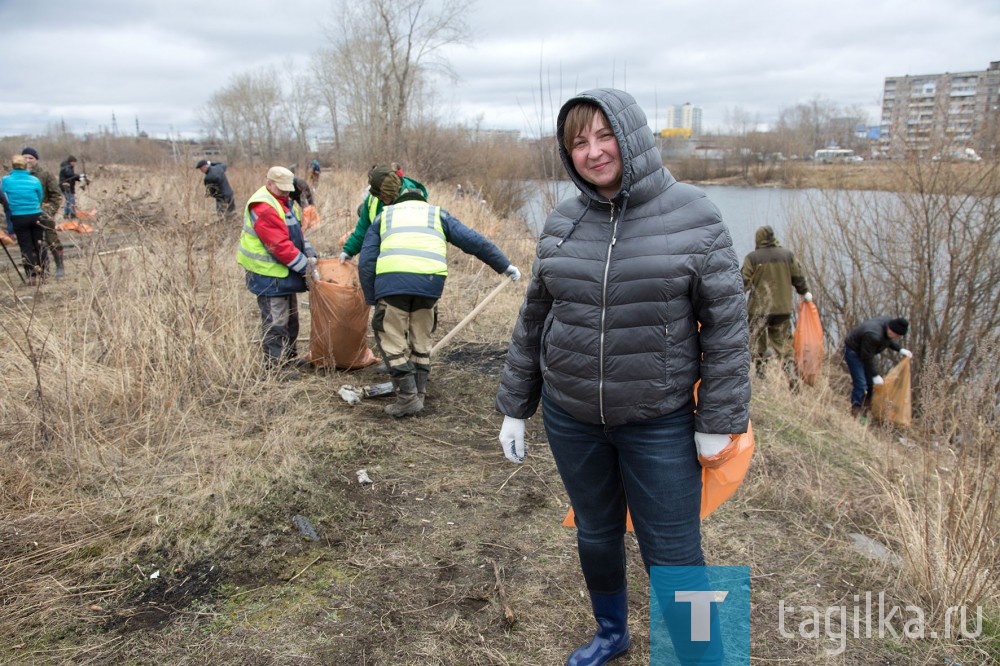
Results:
[138, 435]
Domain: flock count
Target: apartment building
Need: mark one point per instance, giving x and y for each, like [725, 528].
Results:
[929, 113]
[685, 117]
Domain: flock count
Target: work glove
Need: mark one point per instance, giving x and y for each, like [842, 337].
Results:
[906, 353]
[344, 257]
[710, 444]
[877, 380]
[312, 273]
[715, 450]
[808, 297]
[513, 273]
[512, 439]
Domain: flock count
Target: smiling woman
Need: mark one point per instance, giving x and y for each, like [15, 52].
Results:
[624, 273]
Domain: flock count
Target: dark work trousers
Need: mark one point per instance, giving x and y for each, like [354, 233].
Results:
[279, 327]
[31, 239]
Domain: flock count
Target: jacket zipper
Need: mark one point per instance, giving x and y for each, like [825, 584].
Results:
[604, 310]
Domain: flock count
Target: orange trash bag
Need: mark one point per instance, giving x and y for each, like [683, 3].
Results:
[73, 225]
[310, 218]
[338, 336]
[891, 402]
[807, 342]
[7, 240]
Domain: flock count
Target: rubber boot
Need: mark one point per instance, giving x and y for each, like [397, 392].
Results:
[58, 254]
[407, 402]
[421, 377]
[612, 639]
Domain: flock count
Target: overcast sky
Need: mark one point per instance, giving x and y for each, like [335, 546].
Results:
[80, 61]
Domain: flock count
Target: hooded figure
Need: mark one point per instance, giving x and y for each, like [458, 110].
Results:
[769, 273]
[635, 295]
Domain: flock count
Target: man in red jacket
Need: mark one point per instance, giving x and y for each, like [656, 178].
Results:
[276, 256]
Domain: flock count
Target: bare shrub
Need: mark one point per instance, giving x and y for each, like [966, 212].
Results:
[930, 252]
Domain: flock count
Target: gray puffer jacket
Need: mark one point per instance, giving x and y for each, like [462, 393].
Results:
[610, 320]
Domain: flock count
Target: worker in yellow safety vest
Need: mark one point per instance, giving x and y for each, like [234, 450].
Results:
[277, 258]
[403, 265]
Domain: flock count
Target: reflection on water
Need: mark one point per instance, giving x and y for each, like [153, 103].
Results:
[744, 209]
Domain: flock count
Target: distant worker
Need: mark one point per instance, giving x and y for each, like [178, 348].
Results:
[314, 170]
[217, 186]
[302, 194]
[459, 192]
[276, 256]
[24, 203]
[770, 272]
[861, 347]
[50, 206]
[369, 209]
[403, 267]
[68, 178]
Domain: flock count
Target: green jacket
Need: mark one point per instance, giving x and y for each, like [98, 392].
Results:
[51, 196]
[770, 272]
[369, 210]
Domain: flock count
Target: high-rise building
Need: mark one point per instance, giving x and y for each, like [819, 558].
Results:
[934, 112]
[685, 117]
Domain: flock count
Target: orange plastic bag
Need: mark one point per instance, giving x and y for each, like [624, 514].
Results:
[891, 402]
[73, 225]
[718, 483]
[7, 240]
[338, 337]
[310, 218]
[86, 214]
[807, 341]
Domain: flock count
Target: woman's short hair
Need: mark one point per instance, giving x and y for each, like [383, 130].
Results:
[18, 162]
[578, 118]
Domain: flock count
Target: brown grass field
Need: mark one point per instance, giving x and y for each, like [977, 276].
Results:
[150, 473]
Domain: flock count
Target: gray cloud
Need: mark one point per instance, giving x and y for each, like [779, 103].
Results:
[81, 61]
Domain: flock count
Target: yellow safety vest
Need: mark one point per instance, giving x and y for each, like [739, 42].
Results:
[253, 255]
[373, 206]
[413, 240]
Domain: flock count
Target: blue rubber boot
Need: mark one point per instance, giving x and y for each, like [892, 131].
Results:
[612, 639]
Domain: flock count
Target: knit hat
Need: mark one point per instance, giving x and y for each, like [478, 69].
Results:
[376, 175]
[390, 188]
[30, 151]
[899, 326]
[200, 164]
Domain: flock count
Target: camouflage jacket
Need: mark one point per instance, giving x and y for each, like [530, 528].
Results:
[51, 197]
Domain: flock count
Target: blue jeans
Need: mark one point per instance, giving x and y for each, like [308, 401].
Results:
[654, 464]
[69, 209]
[861, 381]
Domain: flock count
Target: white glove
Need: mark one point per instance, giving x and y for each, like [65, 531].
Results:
[344, 257]
[513, 273]
[808, 297]
[312, 273]
[906, 353]
[512, 439]
[877, 380]
[710, 444]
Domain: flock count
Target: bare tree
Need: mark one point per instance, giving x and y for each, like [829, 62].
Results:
[326, 84]
[929, 252]
[301, 109]
[381, 52]
[247, 115]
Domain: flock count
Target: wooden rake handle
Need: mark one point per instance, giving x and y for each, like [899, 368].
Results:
[472, 315]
